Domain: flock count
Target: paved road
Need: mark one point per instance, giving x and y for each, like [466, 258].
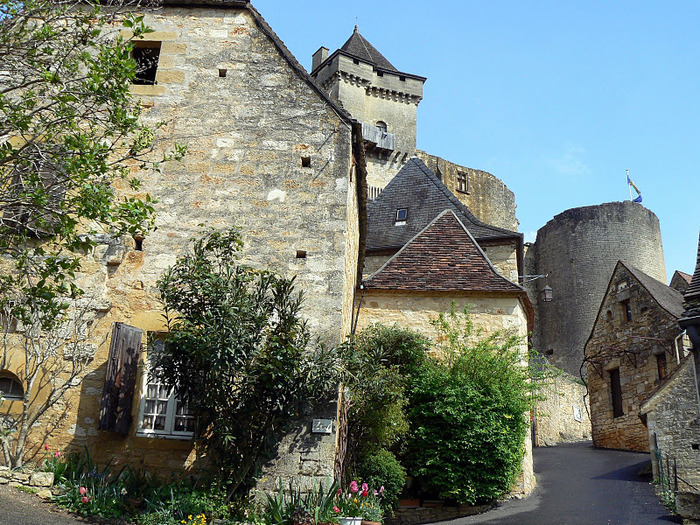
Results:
[18, 508]
[581, 485]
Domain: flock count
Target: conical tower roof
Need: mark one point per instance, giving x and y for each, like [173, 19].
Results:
[358, 47]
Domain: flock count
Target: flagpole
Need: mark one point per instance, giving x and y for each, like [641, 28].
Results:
[629, 186]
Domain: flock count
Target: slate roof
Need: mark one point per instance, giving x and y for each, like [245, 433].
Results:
[692, 294]
[358, 47]
[417, 189]
[442, 257]
[669, 299]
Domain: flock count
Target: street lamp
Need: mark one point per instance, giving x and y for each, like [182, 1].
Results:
[546, 294]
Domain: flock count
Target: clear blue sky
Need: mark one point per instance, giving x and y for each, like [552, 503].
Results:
[555, 98]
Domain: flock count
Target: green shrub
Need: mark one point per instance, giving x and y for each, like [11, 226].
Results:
[381, 468]
[468, 414]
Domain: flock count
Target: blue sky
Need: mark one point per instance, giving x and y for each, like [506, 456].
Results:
[555, 98]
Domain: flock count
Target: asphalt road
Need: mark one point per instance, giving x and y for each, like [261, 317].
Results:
[19, 508]
[581, 485]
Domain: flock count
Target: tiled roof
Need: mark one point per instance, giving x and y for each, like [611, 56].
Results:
[682, 275]
[417, 190]
[669, 299]
[442, 257]
[692, 294]
[358, 47]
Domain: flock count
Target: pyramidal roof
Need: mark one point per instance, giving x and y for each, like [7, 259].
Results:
[442, 257]
[416, 189]
[358, 47]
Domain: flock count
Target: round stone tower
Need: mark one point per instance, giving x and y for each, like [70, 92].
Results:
[578, 249]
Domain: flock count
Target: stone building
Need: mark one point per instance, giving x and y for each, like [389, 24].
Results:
[632, 348]
[577, 251]
[443, 265]
[680, 281]
[269, 152]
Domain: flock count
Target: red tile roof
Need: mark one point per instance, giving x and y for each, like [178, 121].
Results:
[442, 257]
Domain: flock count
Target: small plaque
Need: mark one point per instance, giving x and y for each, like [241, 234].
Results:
[578, 416]
[322, 426]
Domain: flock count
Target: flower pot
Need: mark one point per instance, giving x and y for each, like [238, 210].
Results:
[367, 522]
[350, 521]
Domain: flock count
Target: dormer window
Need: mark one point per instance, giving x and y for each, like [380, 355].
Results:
[401, 215]
[382, 126]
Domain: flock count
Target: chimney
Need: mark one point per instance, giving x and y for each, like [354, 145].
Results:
[319, 58]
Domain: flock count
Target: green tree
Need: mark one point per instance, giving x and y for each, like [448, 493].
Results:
[69, 131]
[238, 353]
[468, 413]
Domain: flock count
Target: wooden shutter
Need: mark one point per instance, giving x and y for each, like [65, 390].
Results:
[115, 412]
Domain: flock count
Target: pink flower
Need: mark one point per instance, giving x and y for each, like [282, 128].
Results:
[353, 486]
[85, 499]
[339, 492]
[57, 454]
[46, 447]
[381, 489]
[376, 493]
[82, 491]
[365, 487]
[336, 509]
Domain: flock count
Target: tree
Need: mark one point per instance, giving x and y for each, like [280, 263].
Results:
[238, 353]
[468, 413]
[69, 130]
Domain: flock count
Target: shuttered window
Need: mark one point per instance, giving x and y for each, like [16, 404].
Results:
[115, 412]
[616, 391]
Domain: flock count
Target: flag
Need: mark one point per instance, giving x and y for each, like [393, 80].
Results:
[632, 184]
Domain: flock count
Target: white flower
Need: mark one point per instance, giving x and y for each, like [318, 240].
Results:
[123, 491]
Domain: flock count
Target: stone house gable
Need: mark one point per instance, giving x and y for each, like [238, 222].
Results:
[631, 350]
[269, 153]
[680, 281]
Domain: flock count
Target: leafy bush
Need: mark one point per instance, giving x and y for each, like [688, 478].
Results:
[382, 469]
[291, 506]
[467, 414]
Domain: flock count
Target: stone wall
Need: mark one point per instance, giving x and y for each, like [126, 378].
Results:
[562, 416]
[579, 249]
[249, 117]
[486, 195]
[631, 347]
[418, 515]
[674, 427]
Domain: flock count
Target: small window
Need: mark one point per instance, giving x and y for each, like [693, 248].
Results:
[382, 126]
[146, 55]
[306, 162]
[462, 182]
[661, 365]
[380, 74]
[616, 392]
[626, 310]
[355, 61]
[402, 78]
[608, 315]
[301, 254]
[401, 215]
[162, 413]
[10, 387]
[222, 73]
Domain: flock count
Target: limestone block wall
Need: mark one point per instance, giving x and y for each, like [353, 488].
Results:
[416, 311]
[562, 415]
[579, 249]
[674, 428]
[266, 153]
[631, 347]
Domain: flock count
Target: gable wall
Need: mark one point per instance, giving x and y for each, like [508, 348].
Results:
[651, 331]
[246, 134]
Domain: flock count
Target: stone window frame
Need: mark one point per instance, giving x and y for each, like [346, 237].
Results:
[151, 68]
[462, 182]
[10, 387]
[626, 307]
[162, 395]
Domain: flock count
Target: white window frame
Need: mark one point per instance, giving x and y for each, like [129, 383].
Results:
[172, 401]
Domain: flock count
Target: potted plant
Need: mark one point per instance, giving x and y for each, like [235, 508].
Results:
[359, 504]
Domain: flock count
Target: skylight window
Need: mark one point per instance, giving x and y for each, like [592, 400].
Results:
[401, 215]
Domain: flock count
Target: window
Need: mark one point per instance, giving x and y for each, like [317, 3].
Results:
[462, 182]
[161, 412]
[146, 55]
[382, 126]
[661, 365]
[626, 310]
[616, 391]
[10, 387]
[401, 215]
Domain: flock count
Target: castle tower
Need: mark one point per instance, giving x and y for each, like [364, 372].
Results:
[578, 250]
[374, 92]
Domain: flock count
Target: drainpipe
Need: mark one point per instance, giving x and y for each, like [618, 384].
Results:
[675, 347]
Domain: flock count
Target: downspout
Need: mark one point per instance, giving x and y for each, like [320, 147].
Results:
[675, 346]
